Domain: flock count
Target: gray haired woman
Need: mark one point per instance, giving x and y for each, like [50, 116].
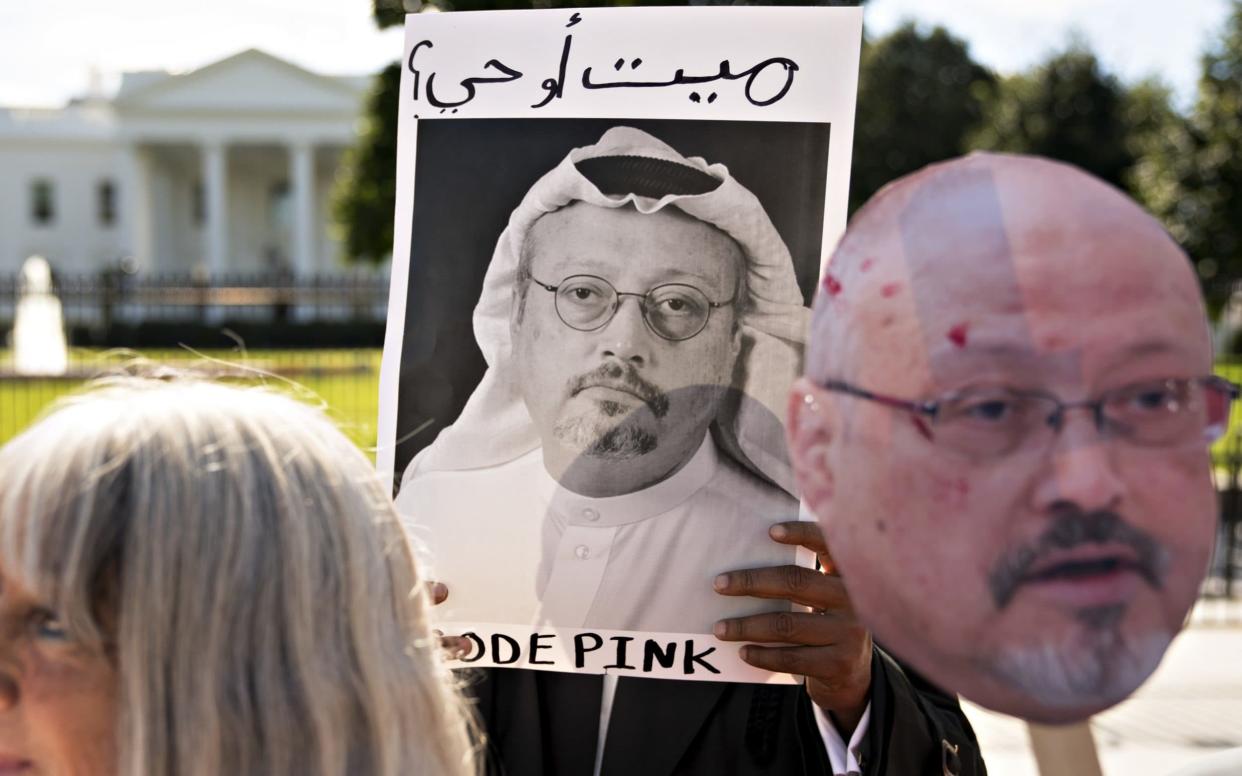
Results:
[198, 580]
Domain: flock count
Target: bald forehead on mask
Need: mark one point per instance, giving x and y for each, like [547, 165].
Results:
[990, 250]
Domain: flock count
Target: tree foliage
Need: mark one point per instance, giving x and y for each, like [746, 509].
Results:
[366, 191]
[1191, 173]
[920, 95]
[1068, 108]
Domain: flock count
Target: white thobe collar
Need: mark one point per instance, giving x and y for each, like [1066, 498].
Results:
[631, 507]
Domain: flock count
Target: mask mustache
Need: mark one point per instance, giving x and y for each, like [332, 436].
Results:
[1072, 528]
[622, 377]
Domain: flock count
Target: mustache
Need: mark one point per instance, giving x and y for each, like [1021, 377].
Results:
[1072, 527]
[622, 377]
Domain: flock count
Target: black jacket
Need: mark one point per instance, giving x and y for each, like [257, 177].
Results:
[547, 724]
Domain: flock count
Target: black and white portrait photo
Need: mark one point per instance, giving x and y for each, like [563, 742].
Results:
[601, 322]
[641, 321]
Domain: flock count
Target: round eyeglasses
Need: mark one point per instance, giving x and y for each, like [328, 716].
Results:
[673, 311]
[987, 422]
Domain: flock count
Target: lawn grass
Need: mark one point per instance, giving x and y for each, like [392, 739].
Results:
[346, 382]
[1230, 445]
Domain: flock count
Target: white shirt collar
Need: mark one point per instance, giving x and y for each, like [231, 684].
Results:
[631, 507]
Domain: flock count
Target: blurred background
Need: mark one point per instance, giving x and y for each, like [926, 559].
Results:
[213, 184]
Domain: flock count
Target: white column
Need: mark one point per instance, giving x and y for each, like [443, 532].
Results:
[135, 208]
[215, 188]
[302, 179]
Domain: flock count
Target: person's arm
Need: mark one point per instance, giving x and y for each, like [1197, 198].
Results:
[830, 647]
[827, 646]
[896, 721]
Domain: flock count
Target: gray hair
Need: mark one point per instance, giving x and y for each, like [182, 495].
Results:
[242, 565]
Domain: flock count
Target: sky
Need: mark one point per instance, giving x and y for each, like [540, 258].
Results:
[48, 50]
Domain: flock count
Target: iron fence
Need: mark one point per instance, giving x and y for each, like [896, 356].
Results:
[319, 337]
[113, 297]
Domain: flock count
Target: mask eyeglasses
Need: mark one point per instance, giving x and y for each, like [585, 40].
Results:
[672, 311]
[987, 422]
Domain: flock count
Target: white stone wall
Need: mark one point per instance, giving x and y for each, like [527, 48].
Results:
[75, 240]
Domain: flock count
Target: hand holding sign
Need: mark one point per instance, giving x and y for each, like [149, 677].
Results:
[455, 647]
[827, 645]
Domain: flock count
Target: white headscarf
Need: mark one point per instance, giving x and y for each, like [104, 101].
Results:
[495, 426]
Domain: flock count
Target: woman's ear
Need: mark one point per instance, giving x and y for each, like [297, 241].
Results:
[810, 427]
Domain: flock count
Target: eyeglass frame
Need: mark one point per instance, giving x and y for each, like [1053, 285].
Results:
[931, 407]
[642, 299]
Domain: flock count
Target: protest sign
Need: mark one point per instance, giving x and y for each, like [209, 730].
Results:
[609, 225]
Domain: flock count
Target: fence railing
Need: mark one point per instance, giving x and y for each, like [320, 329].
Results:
[318, 336]
[100, 301]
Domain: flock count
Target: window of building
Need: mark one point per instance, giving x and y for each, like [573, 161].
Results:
[198, 203]
[42, 202]
[280, 206]
[105, 202]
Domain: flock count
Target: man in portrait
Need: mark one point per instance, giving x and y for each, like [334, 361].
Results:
[1004, 432]
[642, 323]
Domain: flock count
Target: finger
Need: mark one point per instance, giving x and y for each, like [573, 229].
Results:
[788, 583]
[808, 534]
[788, 628]
[799, 661]
[456, 647]
[438, 592]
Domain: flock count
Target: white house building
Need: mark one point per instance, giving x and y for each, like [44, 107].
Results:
[224, 169]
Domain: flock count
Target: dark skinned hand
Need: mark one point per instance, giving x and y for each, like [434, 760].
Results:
[454, 646]
[827, 645]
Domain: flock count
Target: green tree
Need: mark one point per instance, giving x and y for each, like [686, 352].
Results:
[1191, 172]
[1068, 108]
[365, 194]
[920, 96]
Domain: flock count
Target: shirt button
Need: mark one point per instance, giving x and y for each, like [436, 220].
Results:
[582, 552]
[590, 514]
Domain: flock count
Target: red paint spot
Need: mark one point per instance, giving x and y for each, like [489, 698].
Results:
[923, 429]
[832, 285]
[888, 290]
[867, 264]
[952, 492]
[957, 335]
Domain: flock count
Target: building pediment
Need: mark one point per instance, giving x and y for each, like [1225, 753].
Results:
[252, 82]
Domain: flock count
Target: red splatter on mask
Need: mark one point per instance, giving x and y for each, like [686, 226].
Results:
[832, 285]
[889, 290]
[957, 335]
